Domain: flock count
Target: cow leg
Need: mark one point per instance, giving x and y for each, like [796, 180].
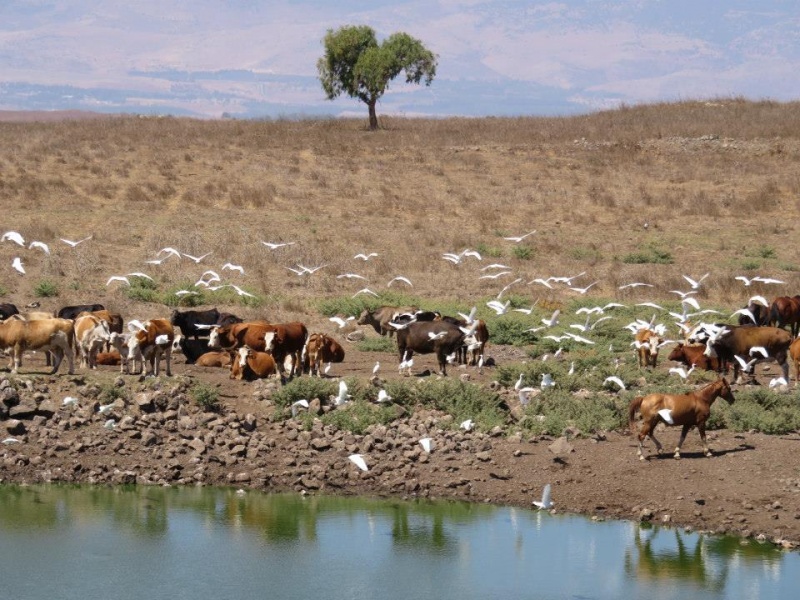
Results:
[684, 431]
[58, 356]
[168, 360]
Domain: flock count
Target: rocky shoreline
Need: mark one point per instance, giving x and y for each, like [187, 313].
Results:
[161, 437]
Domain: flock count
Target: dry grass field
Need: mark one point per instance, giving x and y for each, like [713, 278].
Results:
[638, 194]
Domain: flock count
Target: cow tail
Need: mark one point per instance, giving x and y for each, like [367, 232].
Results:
[635, 405]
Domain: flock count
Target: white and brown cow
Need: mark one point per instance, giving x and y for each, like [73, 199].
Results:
[646, 342]
[153, 339]
[249, 364]
[50, 335]
[91, 336]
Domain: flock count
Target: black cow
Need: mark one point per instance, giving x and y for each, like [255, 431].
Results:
[191, 349]
[189, 320]
[71, 312]
[439, 337]
[228, 319]
[7, 309]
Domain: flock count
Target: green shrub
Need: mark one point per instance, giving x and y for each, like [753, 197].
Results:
[523, 252]
[304, 388]
[377, 344]
[110, 392]
[511, 330]
[206, 396]
[45, 289]
[358, 416]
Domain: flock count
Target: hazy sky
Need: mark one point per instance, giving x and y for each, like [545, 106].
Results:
[253, 58]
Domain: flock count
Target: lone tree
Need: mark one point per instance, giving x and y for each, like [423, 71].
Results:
[354, 63]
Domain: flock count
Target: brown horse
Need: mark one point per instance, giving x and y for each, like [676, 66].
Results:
[687, 410]
[785, 311]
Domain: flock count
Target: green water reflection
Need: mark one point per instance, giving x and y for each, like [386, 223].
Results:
[65, 541]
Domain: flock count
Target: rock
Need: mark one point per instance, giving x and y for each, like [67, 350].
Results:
[242, 477]
[46, 408]
[15, 427]
[9, 396]
[198, 446]
[24, 410]
[484, 456]
[249, 423]
[561, 447]
[144, 402]
[646, 514]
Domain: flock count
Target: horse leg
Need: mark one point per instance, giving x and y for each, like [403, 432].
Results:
[702, 429]
[684, 431]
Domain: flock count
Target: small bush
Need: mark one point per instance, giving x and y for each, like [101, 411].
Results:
[45, 289]
[110, 392]
[206, 396]
[304, 388]
[509, 330]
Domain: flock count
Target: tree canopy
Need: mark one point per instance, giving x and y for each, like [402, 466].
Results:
[355, 64]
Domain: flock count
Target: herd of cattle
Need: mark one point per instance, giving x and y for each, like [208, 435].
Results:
[760, 335]
[258, 349]
[250, 349]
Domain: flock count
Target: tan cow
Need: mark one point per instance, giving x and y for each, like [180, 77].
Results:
[120, 342]
[321, 348]
[50, 335]
[91, 336]
[214, 359]
[152, 340]
[646, 342]
[251, 364]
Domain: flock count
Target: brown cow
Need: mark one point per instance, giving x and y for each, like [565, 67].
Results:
[214, 359]
[152, 341]
[694, 355]
[287, 339]
[251, 364]
[646, 342]
[380, 317]
[737, 340]
[236, 335]
[794, 353]
[53, 335]
[321, 348]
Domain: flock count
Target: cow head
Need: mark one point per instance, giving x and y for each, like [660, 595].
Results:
[270, 339]
[677, 352]
[243, 353]
[365, 318]
[176, 343]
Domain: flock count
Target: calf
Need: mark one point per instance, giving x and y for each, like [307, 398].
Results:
[214, 359]
[120, 343]
[153, 340]
[251, 364]
[321, 348]
[694, 355]
[111, 358]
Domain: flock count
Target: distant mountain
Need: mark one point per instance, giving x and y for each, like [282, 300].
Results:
[250, 58]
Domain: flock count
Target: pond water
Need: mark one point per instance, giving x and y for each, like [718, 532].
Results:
[65, 542]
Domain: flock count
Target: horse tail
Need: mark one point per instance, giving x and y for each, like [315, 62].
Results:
[635, 405]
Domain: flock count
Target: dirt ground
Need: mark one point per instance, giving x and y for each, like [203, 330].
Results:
[750, 487]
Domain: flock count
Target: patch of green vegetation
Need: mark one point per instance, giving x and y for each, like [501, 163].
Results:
[45, 289]
[523, 252]
[304, 388]
[650, 254]
[3, 291]
[206, 396]
[110, 392]
[489, 251]
[751, 264]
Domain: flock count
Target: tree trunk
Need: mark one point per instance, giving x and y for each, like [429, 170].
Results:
[373, 117]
